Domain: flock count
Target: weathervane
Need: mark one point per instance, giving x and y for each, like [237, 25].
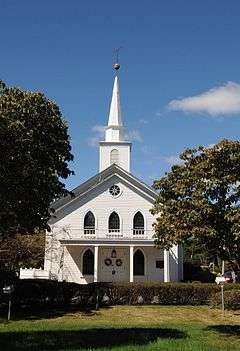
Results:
[116, 65]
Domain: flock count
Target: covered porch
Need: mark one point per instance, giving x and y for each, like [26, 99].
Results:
[114, 261]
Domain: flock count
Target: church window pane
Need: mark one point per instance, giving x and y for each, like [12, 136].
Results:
[114, 222]
[88, 263]
[114, 157]
[160, 264]
[138, 224]
[89, 223]
[138, 263]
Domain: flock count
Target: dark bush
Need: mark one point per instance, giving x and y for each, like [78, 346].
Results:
[194, 272]
[163, 293]
[51, 294]
[7, 277]
[231, 299]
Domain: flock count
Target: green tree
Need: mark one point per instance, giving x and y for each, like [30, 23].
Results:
[199, 201]
[34, 155]
[22, 251]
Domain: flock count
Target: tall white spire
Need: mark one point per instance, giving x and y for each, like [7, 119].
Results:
[115, 130]
[115, 117]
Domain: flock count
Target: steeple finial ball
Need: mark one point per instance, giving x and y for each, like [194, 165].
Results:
[116, 66]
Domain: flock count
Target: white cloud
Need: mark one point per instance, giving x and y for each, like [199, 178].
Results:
[93, 141]
[143, 121]
[98, 135]
[210, 146]
[146, 150]
[134, 135]
[159, 114]
[173, 160]
[98, 131]
[218, 101]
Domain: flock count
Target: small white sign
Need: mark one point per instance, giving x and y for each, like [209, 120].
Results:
[220, 280]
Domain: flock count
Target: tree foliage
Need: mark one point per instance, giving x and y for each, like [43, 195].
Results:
[199, 201]
[22, 251]
[34, 155]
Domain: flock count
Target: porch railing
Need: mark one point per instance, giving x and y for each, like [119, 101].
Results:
[138, 231]
[90, 233]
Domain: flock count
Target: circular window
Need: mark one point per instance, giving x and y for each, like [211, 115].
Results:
[114, 190]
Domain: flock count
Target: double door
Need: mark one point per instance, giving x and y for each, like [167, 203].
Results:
[114, 264]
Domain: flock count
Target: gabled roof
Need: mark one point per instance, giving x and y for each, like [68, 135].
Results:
[101, 178]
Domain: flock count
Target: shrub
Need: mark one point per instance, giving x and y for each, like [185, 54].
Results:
[160, 293]
[231, 299]
[163, 293]
[197, 273]
[50, 293]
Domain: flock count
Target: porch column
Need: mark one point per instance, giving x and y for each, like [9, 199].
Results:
[166, 266]
[95, 264]
[131, 263]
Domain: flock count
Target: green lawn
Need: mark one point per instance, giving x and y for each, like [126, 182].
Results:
[126, 328]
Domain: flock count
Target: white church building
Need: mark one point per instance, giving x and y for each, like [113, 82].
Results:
[104, 233]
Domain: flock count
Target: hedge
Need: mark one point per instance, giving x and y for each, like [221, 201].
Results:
[159, 293]
[231, 299]
[49, 293]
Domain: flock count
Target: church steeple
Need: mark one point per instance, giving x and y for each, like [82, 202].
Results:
[115, 148]
[115, 117]
[115, 130]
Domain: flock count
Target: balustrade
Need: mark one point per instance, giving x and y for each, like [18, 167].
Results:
[90, 233]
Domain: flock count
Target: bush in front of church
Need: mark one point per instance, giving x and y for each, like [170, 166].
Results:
[231, 299]
[38, 295]
[161, 294]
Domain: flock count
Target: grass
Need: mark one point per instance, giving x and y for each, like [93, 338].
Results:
[125, 328]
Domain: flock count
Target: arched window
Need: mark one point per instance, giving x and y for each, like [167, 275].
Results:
[113, 223]
[114, 156]
[88, 263]
[138, 263]
[138, 224]
[89, 223]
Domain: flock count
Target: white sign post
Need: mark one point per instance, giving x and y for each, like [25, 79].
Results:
[221, 281]
[9, 290]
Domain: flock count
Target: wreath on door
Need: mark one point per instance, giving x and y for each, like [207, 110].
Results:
[118, 262]
[108, 261]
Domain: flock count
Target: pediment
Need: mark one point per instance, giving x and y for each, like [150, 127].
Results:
[97, 184]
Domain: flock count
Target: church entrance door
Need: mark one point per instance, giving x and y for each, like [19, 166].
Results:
[114, 265]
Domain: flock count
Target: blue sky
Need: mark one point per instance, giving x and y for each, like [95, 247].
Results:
[179, 81]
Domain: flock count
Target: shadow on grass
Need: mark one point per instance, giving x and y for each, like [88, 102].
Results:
[38, 313]
[86, 339]
[227, 330]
